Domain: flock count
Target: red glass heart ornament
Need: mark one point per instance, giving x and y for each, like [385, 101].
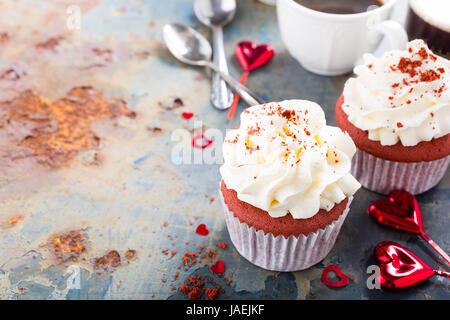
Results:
[401, 211]
[202, 230]
[400, 268]
[252, 56]
[343, 277]
[218, 267]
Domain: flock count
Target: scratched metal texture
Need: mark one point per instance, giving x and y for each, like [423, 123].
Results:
[122, 202]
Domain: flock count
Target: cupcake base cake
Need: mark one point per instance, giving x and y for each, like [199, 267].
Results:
[384, 169]
[281, 244]
[286, 184]
[397, 111]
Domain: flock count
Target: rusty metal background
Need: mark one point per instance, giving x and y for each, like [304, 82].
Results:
[105, 204]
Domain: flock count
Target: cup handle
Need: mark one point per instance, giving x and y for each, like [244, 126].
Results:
[394, 32]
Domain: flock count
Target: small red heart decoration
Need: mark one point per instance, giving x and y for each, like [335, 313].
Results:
[400, 268]
[204, 139]
[343, 278]
[400, 211]
[251, 56]
[187, 115]
[202, 230]
[218, 267]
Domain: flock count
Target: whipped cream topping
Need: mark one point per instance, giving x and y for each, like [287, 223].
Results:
[401, 96]
[285, 159]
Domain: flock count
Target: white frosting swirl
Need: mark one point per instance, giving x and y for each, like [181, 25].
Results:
[284, 158]
[403, 95]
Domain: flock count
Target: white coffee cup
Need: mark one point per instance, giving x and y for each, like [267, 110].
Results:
[332, 44]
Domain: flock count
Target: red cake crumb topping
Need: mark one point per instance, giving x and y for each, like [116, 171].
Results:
[429, 75]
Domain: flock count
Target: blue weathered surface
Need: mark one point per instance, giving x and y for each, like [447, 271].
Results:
[122, 202]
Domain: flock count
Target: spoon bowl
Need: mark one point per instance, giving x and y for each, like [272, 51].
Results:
[215, 12]
[186, 44]
[189, 46]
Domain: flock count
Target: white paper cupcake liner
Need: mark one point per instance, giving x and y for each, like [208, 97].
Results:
[278, 253]
[384, 176]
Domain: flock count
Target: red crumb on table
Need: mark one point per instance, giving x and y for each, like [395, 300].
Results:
[189, 258]
[195, 288]
[211, 253]
[212, 199]
[212, 293]
[165, 224]
[195, 293]
[222, 245]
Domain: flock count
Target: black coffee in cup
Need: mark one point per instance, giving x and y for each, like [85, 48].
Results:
[430, 20]
[341, 6]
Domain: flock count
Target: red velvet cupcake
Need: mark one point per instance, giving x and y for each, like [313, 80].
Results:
[397, 111]
[286, 185]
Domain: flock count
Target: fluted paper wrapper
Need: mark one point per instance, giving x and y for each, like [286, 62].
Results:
[280, 253]
[384, 176]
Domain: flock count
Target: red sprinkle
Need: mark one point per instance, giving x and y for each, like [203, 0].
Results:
[218, 267]
[341, 283]
[202, 137]
[429, 75]
[222, 245]
[202, 230]
[187, 115]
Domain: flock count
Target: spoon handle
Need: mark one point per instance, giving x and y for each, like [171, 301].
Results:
[245, 93]
[221, 96]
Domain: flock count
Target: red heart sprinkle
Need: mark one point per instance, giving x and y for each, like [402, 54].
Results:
[218, 267]
[202, 230]
[187, 115]
[332, 267]
[201, 146]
